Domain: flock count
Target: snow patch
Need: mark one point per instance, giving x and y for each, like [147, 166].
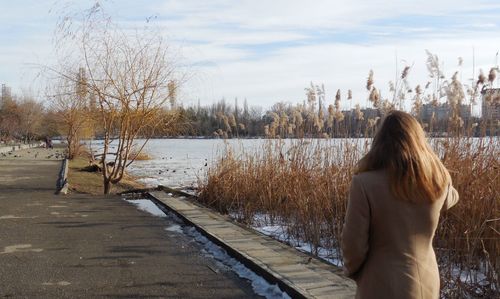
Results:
[279, 232]
[148, 206]
[174, 228]
[260, 285]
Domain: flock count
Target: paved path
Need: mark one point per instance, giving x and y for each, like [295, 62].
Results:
[294, 271]
[79, 246]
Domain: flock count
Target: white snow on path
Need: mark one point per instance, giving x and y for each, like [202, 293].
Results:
[259, 285]
[176, 228]
[148, 206]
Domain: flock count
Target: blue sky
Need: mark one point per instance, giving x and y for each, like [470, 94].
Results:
[268, 51]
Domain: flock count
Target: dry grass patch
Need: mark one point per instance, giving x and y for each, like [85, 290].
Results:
[84, 181]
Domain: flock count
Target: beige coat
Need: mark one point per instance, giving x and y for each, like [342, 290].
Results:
[387, 243]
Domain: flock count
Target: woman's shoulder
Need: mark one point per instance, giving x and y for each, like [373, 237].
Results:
[373, 184]
[372, 175]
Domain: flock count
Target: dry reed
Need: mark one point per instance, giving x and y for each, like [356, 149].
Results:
[139, 156]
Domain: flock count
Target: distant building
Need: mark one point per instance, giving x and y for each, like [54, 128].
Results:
[490, 104]
[370, 113]
[442, 112]
[5, 94]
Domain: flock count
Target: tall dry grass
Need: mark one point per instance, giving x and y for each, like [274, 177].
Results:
[468, 237]
[303, 186]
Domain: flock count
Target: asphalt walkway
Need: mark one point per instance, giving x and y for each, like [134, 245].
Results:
[81, 246]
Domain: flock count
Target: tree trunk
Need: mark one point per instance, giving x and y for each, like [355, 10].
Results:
[70, 148]
[107, 185]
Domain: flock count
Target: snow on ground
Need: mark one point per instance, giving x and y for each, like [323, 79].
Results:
[471, 278]
[174, 228]
[147, 206]
[279, 232]
[260, 285]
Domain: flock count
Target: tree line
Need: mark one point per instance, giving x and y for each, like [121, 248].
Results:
[24, 119]
[78, 105]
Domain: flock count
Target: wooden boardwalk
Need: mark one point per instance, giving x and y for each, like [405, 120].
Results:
[295, 272]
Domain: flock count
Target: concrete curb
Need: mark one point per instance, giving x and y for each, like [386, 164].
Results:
[62, 181]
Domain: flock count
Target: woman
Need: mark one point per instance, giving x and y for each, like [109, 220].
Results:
[395, 200]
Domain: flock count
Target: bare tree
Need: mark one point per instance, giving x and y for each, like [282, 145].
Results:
[132, 78]
[71, 110]
[30, 118]
[9, 119]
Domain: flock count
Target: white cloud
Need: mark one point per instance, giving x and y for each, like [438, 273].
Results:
[284, 75]
[318, 14]
[270, 50]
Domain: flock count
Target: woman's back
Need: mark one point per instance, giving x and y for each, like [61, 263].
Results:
[387, 242]
[394, 205]
[398, 222]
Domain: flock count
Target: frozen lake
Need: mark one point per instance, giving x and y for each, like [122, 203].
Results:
[181, 162]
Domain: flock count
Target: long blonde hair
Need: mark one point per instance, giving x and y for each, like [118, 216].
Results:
[415, 172]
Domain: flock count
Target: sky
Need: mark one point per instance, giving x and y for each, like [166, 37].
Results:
[270, 51]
